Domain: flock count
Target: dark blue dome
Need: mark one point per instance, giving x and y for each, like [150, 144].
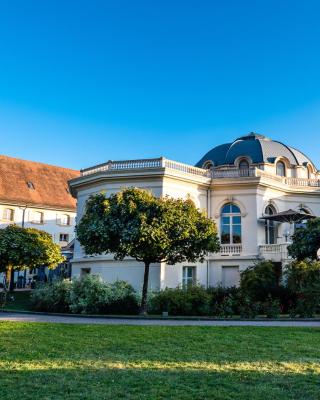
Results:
[257, 148]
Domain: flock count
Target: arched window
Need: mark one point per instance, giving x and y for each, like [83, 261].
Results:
[281, 168]
[243, 164]
[244, 167]
[230, 224]
[208, 165]
[270, 228]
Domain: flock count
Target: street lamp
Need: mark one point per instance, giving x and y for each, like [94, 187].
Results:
[22, 226]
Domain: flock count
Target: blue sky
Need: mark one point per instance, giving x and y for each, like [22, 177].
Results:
[82, 82]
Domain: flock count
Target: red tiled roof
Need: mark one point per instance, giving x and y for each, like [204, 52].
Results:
[48, 184]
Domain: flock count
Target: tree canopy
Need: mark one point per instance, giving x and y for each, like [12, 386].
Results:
[306, 241]
[22, 248]
[135, 223]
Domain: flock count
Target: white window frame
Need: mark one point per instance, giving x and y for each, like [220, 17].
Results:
[35, 221]
[4, 214]
[187, 280]
[68, 220]
[231, 215]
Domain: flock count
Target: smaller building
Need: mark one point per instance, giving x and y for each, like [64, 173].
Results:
[36, 195]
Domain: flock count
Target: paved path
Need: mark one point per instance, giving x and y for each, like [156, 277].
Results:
[130, 321]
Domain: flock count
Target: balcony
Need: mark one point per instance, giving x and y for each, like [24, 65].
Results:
[275, 252]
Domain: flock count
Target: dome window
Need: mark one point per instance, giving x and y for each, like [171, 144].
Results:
[244, 167]
[208, 165]
[281, 168]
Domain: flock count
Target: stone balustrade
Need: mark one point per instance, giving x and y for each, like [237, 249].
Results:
[223, 173]
[231, 249]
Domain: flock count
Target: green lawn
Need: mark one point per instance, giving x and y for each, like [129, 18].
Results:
[52, 361]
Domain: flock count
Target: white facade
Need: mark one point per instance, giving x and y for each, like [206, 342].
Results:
[249, 190]
[60, 224]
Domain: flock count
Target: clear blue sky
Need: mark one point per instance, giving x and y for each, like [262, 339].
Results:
[82, 82]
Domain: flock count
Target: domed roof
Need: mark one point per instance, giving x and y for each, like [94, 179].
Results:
[258, 148]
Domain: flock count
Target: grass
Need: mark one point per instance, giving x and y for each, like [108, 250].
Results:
[53, 361]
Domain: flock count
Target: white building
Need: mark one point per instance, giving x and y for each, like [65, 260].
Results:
[36, 195]
[235, 183]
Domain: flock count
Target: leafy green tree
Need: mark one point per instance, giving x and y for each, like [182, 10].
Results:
[300, 275]
[259, 280]
[134, 223]
[306, 241]
[22, 248]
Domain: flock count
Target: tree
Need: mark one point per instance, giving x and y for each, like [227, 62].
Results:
[134, 223]
[259, 280]
[302, 274]
[22, 248]
[306, 241]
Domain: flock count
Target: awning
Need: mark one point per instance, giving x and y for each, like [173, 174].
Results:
[289, 216]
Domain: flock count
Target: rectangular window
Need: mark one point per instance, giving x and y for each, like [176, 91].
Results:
[64, 219]
[64, 237]
[36, 217]
[8, 214]
[188, 276]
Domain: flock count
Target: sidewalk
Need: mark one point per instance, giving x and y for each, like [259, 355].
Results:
[156, 322]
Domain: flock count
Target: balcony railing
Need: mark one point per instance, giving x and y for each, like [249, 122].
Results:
[149, 163]
[231, 249]
[233, 173]
[257, 172]
[223, 173]
[276, 252]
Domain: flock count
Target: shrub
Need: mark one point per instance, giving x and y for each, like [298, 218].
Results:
[271, 307]
[307, 303]
[193, 300]
[53, 297]
[3, 298]
[90, 295]
[303, 279]
[224, 302]
[224, 308]
[248, 308]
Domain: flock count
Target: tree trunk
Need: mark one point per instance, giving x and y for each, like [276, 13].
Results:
[11, 285]
[143, 307]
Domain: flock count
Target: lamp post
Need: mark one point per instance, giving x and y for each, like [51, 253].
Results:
[22, 226]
